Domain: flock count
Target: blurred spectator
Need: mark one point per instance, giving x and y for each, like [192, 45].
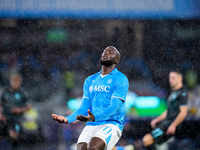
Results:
[191, 78]
[69, 78]
[14, 104]
[194, 102]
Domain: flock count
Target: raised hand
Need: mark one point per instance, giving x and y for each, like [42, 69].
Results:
[89, 117]
[60, 119]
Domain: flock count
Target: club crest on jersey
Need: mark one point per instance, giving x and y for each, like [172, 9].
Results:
[184, 94]
[91, 89]
[17, 96]
[173, 96]
[99, 88]
[109, 81]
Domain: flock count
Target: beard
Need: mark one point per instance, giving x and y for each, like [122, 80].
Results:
[107, 63]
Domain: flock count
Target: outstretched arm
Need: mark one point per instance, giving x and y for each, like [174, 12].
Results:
[115, 104]
[20, 110]
[71, 118]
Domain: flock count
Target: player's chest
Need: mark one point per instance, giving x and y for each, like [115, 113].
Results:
[174, 98]
[101, 85]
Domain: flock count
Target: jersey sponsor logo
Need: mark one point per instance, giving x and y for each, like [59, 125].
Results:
[100, 88]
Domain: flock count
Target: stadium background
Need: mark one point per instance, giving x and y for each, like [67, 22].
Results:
[55, 45]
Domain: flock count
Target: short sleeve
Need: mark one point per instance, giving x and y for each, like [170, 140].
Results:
[183, 98]
[86, 89]
[121, 88]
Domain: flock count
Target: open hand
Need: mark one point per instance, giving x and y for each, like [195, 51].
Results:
[90, 117]
[60, 119]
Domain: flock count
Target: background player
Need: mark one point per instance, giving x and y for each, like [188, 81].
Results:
[165, 125]
[103, 105]
[13, 104]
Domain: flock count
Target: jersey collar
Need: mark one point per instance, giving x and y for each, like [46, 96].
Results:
[112, 72]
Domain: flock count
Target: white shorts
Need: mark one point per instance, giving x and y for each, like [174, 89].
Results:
[109, 133]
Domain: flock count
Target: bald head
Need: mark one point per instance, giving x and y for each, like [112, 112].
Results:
[116, 52]
[110, 56]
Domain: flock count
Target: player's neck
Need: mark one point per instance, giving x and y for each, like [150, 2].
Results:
[179, 86]
[14, 89]
[107, 70]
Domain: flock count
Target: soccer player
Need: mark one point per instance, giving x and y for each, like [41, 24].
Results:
[164, 126]
[103, 105]
[13, 104]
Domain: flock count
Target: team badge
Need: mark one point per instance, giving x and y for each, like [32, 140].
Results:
[91, 88]
[109, 81]
[184, 94]
[17, 96]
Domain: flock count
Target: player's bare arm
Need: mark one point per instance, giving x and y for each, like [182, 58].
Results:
[19, 110]
[158, 119]
[60, 119]
[179, 119]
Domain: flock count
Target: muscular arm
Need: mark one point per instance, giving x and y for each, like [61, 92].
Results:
[85, 105]
[82, 110]
[181, 116]
[71, 118]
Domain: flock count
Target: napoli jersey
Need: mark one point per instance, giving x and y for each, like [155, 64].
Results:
[99, 90]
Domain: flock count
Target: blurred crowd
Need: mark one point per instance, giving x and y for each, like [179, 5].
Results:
[150, 49]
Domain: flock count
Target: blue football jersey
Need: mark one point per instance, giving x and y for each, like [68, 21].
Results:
[99, 90]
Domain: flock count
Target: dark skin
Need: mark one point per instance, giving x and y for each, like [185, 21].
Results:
[110, 53]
